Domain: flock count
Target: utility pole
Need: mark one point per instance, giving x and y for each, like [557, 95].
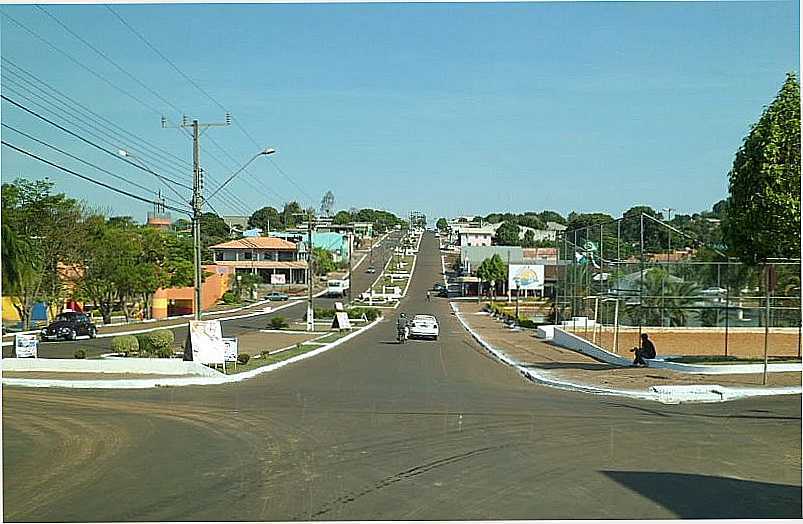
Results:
[310, 272]
[197, 201]
[351, 268]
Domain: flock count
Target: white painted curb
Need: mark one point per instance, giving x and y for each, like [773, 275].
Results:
[193, 381]
[664, 394]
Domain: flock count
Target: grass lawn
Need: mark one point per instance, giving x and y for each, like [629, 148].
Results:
[299, 349]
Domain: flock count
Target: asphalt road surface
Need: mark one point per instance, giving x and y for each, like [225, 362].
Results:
[429, 430]
[234, 327]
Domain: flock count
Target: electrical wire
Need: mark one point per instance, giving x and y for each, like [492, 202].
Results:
[106, 57]
[115, 155]
[203, 91]
[90, 164]
[90, 179]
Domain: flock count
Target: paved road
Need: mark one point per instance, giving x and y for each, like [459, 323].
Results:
[231, 328]
[375, 430]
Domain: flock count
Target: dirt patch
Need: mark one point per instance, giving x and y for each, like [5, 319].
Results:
[564, 364]
[740, 343]
[256, 342]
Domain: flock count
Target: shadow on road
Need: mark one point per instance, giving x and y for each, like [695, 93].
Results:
[701, 496]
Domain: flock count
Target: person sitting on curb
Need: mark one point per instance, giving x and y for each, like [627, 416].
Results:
[647, 350]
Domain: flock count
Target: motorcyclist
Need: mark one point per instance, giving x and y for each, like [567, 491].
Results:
[401, 327]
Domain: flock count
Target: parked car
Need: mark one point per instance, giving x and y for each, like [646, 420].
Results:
[371, 269]
[276, 295]
[424, 326]
[69, 326]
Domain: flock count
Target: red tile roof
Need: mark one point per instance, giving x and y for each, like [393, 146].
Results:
[257, 243]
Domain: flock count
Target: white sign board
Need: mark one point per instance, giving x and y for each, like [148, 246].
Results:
[278, 278]
[26, 346]
[526, 276]
[206, 338]
[230, 349]
[341, 320]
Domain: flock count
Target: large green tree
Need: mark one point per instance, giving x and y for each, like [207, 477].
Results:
[507, 234]
[492, 270]
[47, 228]
[265, 218]
[442, 224]
[763, 219]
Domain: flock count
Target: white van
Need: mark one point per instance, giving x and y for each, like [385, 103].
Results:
[337, 288]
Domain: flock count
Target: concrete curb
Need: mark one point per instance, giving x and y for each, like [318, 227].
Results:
[663, 394]
[190, 381]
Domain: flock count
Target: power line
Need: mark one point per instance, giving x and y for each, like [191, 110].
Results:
[106, 57]
[111, 127]
[54, 124]
[80, 64]
[90, 179]
[90, 164]
[203, 91]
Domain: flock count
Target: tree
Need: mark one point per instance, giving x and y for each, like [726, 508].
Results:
[552, 216]
[290, 214]
[507, 234]
[529, 239]
[265, 219]
[763, 219]
[442, 224]
[492, 269]
[47, 229]
[342, 217]
[655, 235]
[323, 262]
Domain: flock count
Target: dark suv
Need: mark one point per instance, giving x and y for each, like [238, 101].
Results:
[69, 325]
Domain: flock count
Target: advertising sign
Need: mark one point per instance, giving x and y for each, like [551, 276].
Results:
[279, 278]
[230, 349]
[206, 338]
[526, 276]
[26, 346]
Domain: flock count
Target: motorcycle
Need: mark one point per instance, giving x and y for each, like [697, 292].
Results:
[402, 334]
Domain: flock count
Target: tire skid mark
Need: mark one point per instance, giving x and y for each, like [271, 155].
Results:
[406, 475]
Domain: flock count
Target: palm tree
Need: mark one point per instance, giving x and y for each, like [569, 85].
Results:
[663, 297]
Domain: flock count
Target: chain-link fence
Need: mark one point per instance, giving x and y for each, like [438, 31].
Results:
[637, 275]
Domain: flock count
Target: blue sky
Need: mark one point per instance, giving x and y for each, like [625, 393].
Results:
[446, 108]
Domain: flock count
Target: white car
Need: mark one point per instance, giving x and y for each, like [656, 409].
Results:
[424, 326]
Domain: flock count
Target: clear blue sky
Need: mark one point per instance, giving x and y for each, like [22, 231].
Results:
[446, 108]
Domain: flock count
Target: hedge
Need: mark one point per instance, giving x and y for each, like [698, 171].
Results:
[125, 344]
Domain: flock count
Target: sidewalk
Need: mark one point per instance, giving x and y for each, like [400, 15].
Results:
[567, 366]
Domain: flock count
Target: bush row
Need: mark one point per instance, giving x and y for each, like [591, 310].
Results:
[500, 312]
[157, 343]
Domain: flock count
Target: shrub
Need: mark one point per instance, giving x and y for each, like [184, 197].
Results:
[143, 343]
[279, 323]
[527, 323]
[264, 353]
[370, 313]
[160, 343]
[125, 344]
[243, 358]
[229, 298]
[79, 353]
[322, 312]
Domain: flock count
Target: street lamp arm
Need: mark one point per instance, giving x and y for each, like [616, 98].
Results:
[263, 152]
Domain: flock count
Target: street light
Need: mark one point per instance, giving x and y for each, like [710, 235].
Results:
[264, 152]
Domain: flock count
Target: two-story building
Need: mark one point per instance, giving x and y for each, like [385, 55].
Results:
[263, 256]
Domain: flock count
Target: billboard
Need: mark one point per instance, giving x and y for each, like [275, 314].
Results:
[26, 346]
[278, 279]
[206, 338]
[526, 276]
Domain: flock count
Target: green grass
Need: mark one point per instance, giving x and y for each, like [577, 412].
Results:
[255, 363]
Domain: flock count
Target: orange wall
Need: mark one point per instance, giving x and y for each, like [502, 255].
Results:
[216, 283]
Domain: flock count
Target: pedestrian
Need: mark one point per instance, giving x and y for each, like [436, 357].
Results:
[647, 350]
[429, 296]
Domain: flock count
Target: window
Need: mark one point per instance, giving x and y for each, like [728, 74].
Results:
[247, 255]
